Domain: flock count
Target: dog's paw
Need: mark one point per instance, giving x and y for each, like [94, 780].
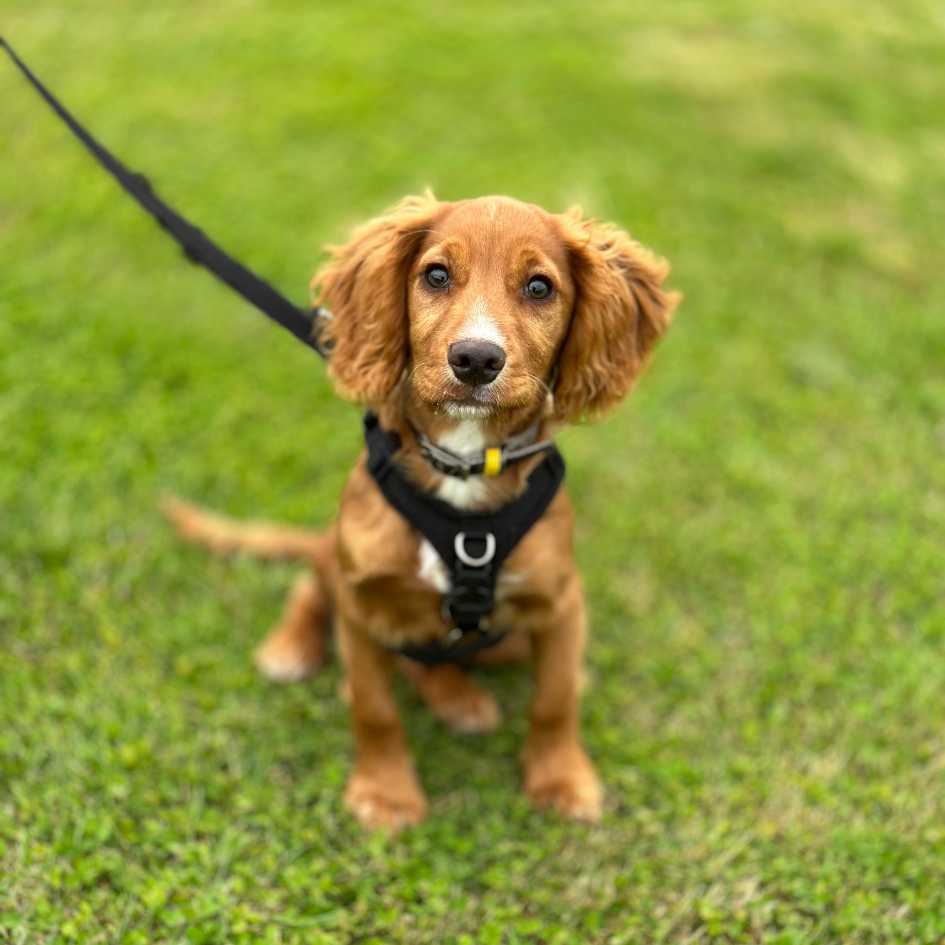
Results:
[455, 698]
[382, 806]
[286, 656]
[470, 711]
[567, 785]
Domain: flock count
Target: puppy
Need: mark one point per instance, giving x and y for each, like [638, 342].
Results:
[468, 323]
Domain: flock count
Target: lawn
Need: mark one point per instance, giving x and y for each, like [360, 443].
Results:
[761, 525]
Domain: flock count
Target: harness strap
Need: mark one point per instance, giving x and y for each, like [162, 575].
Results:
[472, 545]
[197, 246]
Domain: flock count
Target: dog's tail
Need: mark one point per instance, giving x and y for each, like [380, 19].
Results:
[226, 535]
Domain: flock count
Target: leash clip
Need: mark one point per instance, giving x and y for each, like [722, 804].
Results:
[474, 561]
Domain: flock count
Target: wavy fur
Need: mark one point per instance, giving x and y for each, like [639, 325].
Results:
[364, 286]
[620, 312]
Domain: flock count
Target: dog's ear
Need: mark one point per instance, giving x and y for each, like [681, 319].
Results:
[364, 287]
[620, 311]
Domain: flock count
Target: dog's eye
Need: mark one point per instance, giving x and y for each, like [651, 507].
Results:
[538, 288]
[437, 276]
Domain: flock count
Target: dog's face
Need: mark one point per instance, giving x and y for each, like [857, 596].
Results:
[486, 307]
[489, 297]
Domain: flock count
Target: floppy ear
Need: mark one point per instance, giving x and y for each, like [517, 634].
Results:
[620, 311]
[364, 287]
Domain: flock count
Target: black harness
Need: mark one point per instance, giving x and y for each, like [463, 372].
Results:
[472, 545]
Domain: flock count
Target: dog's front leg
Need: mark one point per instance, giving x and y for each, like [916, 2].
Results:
[383, 789]
[558, 772]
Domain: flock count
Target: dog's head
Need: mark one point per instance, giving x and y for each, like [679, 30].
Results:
[483, 306]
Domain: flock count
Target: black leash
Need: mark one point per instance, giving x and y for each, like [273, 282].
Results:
[472, 545]
[197, 246]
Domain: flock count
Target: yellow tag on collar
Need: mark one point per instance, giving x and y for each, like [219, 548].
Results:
[492, 464]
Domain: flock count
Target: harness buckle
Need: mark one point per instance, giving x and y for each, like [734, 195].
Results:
[472, 596]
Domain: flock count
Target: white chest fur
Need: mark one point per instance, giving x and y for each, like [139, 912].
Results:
[432, 570]
[465, 437]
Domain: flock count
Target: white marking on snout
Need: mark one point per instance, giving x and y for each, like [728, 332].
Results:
[481, 325]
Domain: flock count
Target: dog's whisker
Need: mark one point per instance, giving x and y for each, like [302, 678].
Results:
[540, 383]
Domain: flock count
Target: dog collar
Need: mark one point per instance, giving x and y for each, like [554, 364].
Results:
[488, 462]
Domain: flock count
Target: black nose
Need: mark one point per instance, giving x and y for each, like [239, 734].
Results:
[475, 362]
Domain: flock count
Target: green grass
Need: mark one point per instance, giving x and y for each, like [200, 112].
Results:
[761, 525]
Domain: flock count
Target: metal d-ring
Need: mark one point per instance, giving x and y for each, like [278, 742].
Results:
[474, 562]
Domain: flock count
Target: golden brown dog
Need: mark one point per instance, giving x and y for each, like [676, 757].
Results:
[470, 321]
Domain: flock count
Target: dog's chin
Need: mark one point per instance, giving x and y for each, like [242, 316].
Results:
[486, 402]
[465, 403]
[467, 410]
[474, 409]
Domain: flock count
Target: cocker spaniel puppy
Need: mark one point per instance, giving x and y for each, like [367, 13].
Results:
[463, 326]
